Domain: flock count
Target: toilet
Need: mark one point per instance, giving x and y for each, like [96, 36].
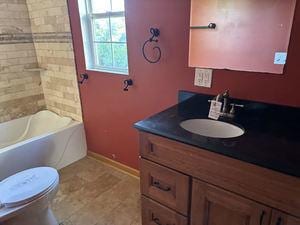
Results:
[25, 197]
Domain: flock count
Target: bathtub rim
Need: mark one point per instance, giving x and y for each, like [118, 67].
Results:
[73, 123]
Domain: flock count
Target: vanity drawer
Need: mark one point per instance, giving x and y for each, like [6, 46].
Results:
[154, 213]
[165, 186]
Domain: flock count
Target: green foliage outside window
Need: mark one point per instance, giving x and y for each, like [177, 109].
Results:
[110, 43]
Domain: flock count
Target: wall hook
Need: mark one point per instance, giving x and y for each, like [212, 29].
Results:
[127, 83]
[84, 76]
[154, 38]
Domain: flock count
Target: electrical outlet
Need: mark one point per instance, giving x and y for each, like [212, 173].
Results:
[203, 77]
[280, 58]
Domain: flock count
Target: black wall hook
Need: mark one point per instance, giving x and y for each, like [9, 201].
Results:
[154, 38]
[84, 76]
[127, 83]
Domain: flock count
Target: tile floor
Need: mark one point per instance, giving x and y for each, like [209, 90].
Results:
[93, 193]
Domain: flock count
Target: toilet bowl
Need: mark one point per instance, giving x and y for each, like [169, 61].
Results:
[25, 197]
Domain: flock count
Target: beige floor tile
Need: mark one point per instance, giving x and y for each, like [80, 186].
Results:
[93, 193]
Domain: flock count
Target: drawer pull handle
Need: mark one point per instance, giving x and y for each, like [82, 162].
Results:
[159, 186]
[151, 148]
[156, 220]
[279, 221]
[262, 217]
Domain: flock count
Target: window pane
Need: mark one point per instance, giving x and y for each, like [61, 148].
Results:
[118, 30]
[118, 5]
[120, 56]
[104, 54]
[101, 6]
[101, 30]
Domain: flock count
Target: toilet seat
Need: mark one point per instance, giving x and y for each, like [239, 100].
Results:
[26, 186]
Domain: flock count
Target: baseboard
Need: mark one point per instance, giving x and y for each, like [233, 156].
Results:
[117, 165]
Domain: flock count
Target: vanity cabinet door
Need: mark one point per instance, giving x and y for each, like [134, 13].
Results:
[292, 221]
[215, 206]
[280, 218]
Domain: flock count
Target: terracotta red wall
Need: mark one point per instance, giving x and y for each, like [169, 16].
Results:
[109, 112]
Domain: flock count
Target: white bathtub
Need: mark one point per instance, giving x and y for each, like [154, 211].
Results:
[42, 139]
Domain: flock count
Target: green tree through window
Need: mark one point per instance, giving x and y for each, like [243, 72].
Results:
[108, 43]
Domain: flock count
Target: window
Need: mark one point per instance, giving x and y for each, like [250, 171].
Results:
[104, 35]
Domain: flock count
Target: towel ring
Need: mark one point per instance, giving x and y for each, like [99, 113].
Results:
[154, 38]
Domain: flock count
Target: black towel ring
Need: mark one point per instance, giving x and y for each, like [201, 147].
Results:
[155, 33]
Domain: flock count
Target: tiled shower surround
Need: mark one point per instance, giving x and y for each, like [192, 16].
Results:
[36, 34]
[50, 26]
[20, 90]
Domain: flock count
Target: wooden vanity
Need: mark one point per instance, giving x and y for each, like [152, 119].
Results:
[182, 184]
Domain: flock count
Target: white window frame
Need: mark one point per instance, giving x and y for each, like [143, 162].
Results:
[87, 18]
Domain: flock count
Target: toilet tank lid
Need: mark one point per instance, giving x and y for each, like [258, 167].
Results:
[27, 185]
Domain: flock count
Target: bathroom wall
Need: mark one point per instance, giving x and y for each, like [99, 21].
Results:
[110, 129]
[20, 89]
[53, 43]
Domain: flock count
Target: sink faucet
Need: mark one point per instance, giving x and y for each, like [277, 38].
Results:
[225, 105]
[226, 111]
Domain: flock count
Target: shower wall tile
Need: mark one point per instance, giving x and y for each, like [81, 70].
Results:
[54, 49]
[21, 91]
[20, 107]
[36, 33]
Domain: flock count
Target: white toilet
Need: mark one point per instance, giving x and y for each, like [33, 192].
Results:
[25, 197]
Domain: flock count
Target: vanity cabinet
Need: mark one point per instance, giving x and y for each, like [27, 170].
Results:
[280, 218]
[247, 36]
[182, 184]
[212, 205]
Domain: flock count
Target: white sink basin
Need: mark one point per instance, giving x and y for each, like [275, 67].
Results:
[212, 128]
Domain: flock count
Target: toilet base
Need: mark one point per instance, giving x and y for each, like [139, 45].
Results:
[44, 217]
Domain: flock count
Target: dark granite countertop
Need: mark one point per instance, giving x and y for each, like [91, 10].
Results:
[271, 139]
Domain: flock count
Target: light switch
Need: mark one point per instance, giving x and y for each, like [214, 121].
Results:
[280, 58]
[203, 77]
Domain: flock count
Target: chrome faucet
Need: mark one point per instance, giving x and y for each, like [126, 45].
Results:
[226, 111]
[225, 105]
